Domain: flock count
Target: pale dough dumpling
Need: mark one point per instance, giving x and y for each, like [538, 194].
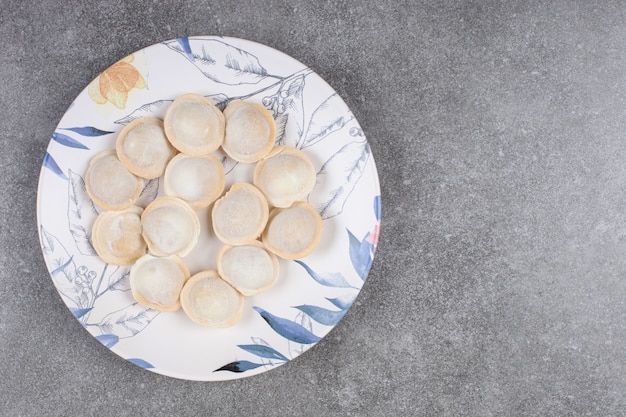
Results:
[194, 125]
[198, 180]
[250, 131]
[170, 227]
[293, 232]
[240, 215]
[116, 236]
[110, 184]
[143, 148]
[250, 268]
[210, 301]
[284, 176]
[156, 282]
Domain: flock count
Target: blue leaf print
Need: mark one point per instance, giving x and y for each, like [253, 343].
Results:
[324, 121]
[322, 315]
[339, 174]
[81, 213]
[239, 366]
[140, 362]
[377, 207]
[128, 321]
[62, 266]
[154, 109]
[287, 328]
[108, 340]
[79, 312]
[87, 131]
[67, 141]
[344, 302]
[184, 44]
[50, 163]
[221, 62]
[331, 279]
[361, 254]
[264, 352]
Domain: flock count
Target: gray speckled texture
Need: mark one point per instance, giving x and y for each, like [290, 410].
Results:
[499, 132]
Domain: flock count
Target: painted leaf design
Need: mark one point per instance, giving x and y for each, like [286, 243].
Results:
[220, 62]
[361, 254]
[287, 328]
[264, 352]
[321, 315]
[220, 100]
[239, 366]
[343, 302]
[377, 207]
[80, 312]
[114, 280]
[87, 131]
[331, 279]
[184, 44]
[108, 340]
[51, 164]
[228, 162]
[281, 125]
[286, 104]
[295, 349]
[67, 141]
[324, 121]
[153, 109]
[127, 321]
[63, 271]
[81, 213]
[148, 193]
[140, 362]
[338, 177]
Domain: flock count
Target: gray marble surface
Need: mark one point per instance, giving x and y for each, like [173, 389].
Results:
[499, 132]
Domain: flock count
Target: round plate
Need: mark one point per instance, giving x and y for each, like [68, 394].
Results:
[312, 294]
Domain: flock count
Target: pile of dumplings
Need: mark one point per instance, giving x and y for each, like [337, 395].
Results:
[256, 223]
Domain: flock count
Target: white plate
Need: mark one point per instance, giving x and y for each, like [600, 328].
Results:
[311, 295]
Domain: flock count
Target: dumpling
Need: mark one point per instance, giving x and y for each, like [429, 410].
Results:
[293, 232]
[170, 227]
[116, 236]
[110, 184]
[210, 301]
[143, 148]
[198, 180]
[240, 215]
[250, 131]
[284, 176]
[194, 125]
[156, 282]
[249, 268]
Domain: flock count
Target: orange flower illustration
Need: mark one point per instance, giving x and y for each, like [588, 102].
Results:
[115, 82]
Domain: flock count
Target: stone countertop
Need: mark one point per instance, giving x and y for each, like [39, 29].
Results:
[499, 284]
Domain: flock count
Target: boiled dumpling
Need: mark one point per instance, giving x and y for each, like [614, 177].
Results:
[210, 301]
[240, 215]
[156, 282]
[116, 236]
[143, 148]
[284, 176]
[293, 232]
[198, 180]
[194, 125]
[110, 184]
[170, 227]
[250, 131]
[249, 268]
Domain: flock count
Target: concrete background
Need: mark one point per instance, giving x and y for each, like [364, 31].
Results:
[499, 132]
